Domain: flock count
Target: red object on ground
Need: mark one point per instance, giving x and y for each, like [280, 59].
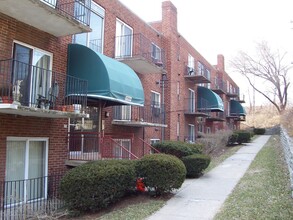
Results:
[140, 185]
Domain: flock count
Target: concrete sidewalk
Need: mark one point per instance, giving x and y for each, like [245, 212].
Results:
[202, 198]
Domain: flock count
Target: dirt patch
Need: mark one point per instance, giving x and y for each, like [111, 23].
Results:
[123, 203]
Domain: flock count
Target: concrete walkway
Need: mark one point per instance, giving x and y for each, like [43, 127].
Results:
[202, 198]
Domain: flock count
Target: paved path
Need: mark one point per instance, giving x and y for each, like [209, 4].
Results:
[202, 198]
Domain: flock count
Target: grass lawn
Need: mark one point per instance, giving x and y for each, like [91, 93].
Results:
[264, 191]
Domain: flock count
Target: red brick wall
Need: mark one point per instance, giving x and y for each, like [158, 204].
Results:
[19, 126]
[11, 125]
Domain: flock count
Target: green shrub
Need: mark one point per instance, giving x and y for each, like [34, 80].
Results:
[97, 184]
[243, 136]
[232, 139]
[195, 164]
[178, 148]
[161, 172]
[259, 131]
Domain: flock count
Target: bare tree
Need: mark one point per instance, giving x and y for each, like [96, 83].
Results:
[268, 67]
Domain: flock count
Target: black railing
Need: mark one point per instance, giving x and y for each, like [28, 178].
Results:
[78, 10]
[219, 84]
[37, 87]
[148, 113]
[137, 45]
[30, 198]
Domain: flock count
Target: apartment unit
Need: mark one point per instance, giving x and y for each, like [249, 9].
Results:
[89, 80]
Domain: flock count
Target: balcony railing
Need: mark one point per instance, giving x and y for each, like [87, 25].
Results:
[216, 116]
[149, 115]
[37, 88]
[30, 198]
[88, 146]
[196, 76]
[233, 92]
[219, 86]
[57, 17]
[191, 108]
[139, 53]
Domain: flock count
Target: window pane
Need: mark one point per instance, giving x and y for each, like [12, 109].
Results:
[36, 169]
[15, 170]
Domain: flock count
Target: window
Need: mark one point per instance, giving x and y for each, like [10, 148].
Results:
[208, 74]
[201, 68]
[30, 83]
[152, 142]
[119, 152]
[124, 39]
[156, 53]
[191, 102]
[122, 112]
[191, 132]
[155, 104]
[178, 127]
[178, 90]
[94, 39]
[155, 99]
[190, 66]
[26, 158]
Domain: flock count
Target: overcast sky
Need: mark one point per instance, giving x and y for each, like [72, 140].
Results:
[227, 26]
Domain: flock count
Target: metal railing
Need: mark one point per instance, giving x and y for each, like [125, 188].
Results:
[219, 84]
[88, 146]
[78, 10]
[37, 87]
[137, 45]
[149, 113]
[30, 198]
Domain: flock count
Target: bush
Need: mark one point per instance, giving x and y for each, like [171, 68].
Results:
[232, 139]
[213, 142]
[195, 164]
[259, 131]
[243, 136]
[161, 172]
[97, 184]
[178, 148]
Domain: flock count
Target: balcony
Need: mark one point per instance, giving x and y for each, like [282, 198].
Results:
[28, 90]
[219, 86]
[190, 109]
[216, 116]
[233, 92]
[136, 116]
[90, 146]
[237, 117]
[59, 18]
[140, 54]
[196, 76]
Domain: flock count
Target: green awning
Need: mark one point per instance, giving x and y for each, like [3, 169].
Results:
[209, 100]
[108, 79]
[236, 108]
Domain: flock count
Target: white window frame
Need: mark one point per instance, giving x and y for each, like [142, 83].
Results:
[118, 151]
[191, 101]
[178, 90]
[156, 52]
[99, 11]
[27, 140]
[35, 49]
[191, 132]
[120, 32]
[156, 103]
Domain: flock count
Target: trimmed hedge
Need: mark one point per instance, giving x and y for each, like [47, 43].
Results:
[97, 184]
[178, 148]
[232, 139]
[161, 172]
[195, 164]
[259, 131]
[243, 136]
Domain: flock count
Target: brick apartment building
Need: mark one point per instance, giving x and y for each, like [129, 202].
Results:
[88, 80]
